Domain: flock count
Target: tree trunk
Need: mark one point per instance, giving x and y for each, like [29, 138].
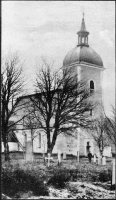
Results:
[101, 148]
[5, 141]
[6, 149]
[49, 150]
[53, 142]
[50, 145]
[48, 142]
[32, 142]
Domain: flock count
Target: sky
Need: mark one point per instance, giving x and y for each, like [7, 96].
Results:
[48, 28]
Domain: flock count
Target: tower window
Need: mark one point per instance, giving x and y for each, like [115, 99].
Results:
[87, 144]
[91, 112]
[39, 140]
[82, 39]
[91, 86]
[86, 39]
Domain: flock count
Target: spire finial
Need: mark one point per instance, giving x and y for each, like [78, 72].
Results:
[83, 33]
[83, 15]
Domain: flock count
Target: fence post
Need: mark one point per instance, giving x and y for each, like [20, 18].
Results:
[25, 145]
[78, 156]
[59, 157]
[113, 173]
[64, 155]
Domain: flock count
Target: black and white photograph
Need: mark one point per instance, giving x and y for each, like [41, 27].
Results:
[58, 131]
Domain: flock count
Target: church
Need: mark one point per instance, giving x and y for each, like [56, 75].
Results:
[88, 65]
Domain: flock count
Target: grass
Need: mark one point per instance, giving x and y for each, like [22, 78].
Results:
[22, 179]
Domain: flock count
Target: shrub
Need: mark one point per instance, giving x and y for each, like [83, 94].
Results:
[105, 176]
[59, 178]
[75, 174]
[19, 180]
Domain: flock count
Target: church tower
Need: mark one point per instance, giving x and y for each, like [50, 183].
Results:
[88, 66]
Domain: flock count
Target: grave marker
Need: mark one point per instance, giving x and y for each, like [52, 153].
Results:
[107, 151]
[59, 157]
[78, 156]
[99, 160]
[94, 158]
[64, 155]
[49, 158]
[113, 173]
[104, 160]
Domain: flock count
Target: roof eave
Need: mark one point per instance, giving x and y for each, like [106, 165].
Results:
[84, 64]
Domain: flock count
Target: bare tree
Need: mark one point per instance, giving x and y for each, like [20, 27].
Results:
[12, 83]
[99, 135]
[61, 104]
[29, 122]
[110, 126]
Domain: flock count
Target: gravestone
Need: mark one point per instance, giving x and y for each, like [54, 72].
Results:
[49, 158]
[94, 158]
[78, 156]
[99, 160]
[107, 151]
[59, 157]
[29, 152]
[104, 160]
[64, 155]
[113, 173]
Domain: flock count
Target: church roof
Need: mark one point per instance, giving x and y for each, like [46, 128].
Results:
[83, 54]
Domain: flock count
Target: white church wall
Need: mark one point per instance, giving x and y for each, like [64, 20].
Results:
[60, 144]
[82, 147]
[79, 73]
[13, 146]
[40, 142]
[84, 138]
[66, 144]
[20, 136]
[107, 151]
[90, 73]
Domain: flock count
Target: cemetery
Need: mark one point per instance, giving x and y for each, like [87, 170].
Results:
[58, 176]
[36, 175]
[57, 137]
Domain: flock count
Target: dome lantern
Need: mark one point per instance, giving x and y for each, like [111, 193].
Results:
[83, 34]
[83, 53]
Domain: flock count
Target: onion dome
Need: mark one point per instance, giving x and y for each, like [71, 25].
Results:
[82, 53]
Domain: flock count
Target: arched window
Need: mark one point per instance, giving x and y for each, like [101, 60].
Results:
[91, 86]
[39, 140]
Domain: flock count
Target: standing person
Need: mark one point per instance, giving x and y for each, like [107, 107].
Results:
[89, 157]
